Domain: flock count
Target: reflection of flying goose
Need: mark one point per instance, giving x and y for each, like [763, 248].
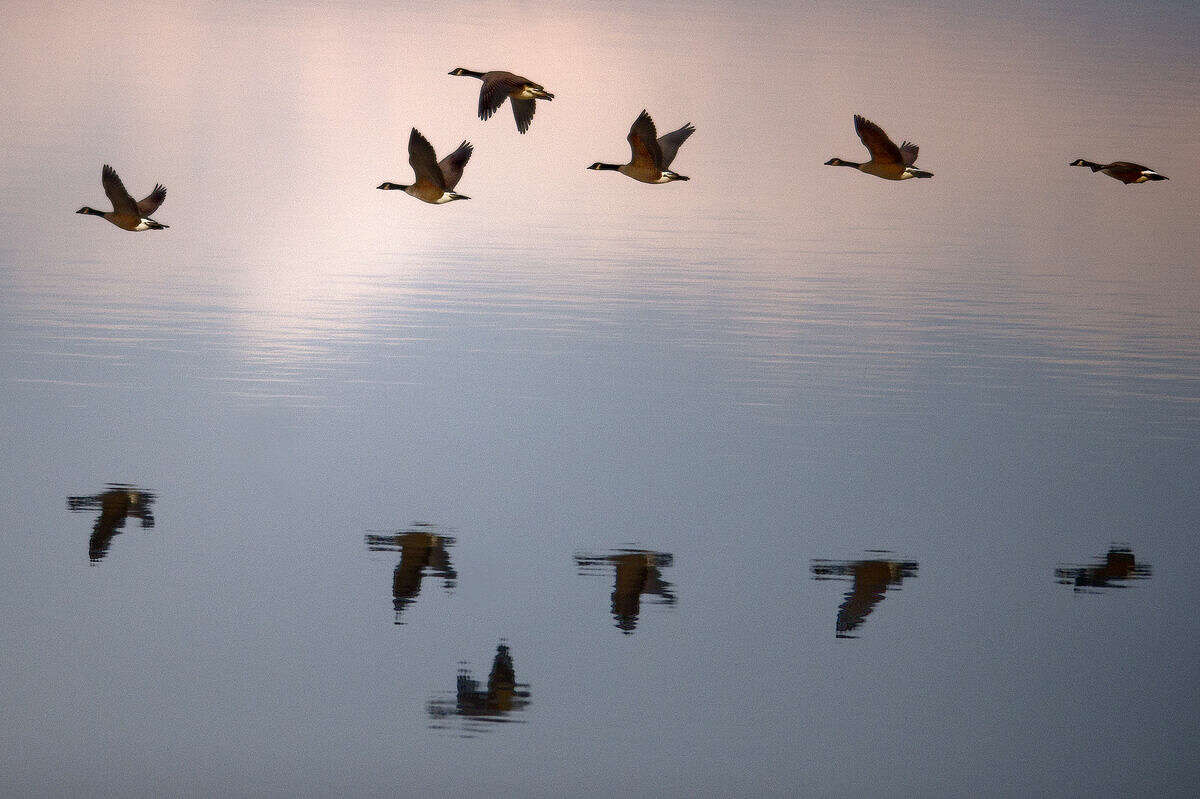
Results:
[419, 552]
[1118, 565]
[502, 696]
[116, 505]
[638, 572]
[1124, 171]
[887, 160]
[126, 213]
[651, 154]
[499, 86]
[871, 579]
[435, 181]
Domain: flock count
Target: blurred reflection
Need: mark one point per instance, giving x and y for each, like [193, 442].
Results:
[637, 572]
[117, 503]
[870, 579]
[1117, 566]
[504, 695]
[421, 551]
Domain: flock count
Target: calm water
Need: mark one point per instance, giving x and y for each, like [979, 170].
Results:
[783, 481]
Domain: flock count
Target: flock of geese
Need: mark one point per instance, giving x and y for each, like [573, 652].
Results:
[651, 156]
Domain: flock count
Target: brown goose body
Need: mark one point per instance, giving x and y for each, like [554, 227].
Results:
[1125, 171]
[128, 214]
[498, 86]
[435, 180]
[887, 160]
[651, 154]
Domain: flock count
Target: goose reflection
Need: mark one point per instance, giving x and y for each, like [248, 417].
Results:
[116, 503]
[502, 696]
[421, 551]
[638, 572]
[870, 580]
[1117, 566]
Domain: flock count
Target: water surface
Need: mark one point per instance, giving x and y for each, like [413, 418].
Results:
[324, 491]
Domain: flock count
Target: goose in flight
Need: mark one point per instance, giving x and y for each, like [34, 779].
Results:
[1124, 171]
[499, 86]
[887, 160]
[435, 180]
[126, 213]
[651, 154]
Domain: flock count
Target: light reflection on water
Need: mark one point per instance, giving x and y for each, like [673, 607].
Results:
[872, 336]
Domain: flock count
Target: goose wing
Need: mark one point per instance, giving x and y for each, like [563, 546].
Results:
[669, 143]
[909, 151]
[122, 203]
[497, 86]
[643, 142]
[523, 113]
[452, 165]
[1126, 166]
[882, 149]
[424, 161]
[152, 200]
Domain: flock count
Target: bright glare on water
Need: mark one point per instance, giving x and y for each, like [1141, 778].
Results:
[784, 481]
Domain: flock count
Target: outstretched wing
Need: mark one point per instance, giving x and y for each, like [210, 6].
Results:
[115, 189]
[909, 151]
[669, 143]
[497, 86]
[152, 200]
[452, 165]
[424, 161]
[882, 149]
[643, 142]
[523, 113]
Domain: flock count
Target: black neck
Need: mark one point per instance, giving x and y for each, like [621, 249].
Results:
[391, 187]
[473, 74]
[613, 167]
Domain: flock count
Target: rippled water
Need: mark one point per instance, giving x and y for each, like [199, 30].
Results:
[782, 481]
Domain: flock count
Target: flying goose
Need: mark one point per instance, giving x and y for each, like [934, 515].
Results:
[435, 180]
[651, 154]
[1124, 171]
[887, 160]
[498, 86]
[127, 214]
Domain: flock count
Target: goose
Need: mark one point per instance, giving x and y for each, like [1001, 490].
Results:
[1124, 171]
[499, 85]
[651, 154]
[127, 214]
[435, 180]
[887, 160]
